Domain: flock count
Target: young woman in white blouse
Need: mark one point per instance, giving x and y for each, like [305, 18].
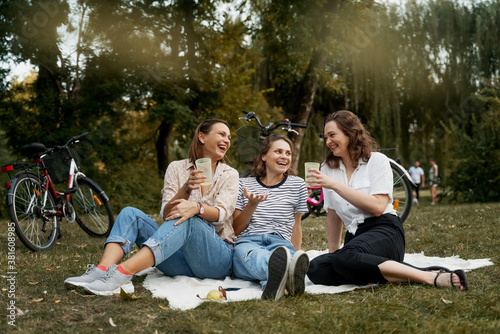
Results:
[357, 185]
[267, 222]
[196, 238]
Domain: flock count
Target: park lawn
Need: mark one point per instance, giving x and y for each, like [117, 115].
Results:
[470, 231]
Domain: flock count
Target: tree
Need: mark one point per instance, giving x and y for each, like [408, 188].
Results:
[297, 40]
[476, 177]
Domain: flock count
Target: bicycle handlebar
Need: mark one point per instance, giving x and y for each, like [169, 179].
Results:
[251, 115]
[71, 141]
[75, 139]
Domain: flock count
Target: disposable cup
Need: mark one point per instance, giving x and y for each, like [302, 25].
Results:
[205, 164]
[308, 166]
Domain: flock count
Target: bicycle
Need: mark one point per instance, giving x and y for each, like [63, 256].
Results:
[402, 194]
[250, 137]
[36, 208]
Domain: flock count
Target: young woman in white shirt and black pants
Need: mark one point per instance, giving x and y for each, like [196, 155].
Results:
[357, 185]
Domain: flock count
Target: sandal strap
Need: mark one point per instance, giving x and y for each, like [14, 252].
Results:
[437, 275]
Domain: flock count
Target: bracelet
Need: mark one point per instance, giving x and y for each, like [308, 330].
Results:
[186, 189]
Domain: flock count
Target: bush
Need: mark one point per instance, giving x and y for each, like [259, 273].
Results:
[477, 175]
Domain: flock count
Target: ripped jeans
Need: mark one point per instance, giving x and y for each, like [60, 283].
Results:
[251, 255]
[191, 248]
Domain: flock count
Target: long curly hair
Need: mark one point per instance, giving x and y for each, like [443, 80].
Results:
[259, 166]
[361, 144]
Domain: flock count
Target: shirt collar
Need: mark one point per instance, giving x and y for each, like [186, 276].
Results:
[360, 162]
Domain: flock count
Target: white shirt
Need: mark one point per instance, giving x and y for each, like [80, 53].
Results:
[372, 177]
[416, 174]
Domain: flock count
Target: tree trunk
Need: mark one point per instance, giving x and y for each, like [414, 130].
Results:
[305, 101]
[165, 130]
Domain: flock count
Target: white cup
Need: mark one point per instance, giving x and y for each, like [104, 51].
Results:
[205, 164]
[308, 166]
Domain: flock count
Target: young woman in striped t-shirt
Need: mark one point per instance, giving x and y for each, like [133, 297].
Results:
[267, 222]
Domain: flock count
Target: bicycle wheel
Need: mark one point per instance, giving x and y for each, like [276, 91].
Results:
[93, 212]
[317, 210]
[35, 222]
[401, 193]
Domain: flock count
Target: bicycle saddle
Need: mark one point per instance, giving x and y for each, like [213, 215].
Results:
[33, 149]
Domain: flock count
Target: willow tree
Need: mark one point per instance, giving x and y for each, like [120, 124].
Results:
[414, 70]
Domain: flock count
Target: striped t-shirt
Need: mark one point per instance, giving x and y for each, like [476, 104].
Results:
[277, 213]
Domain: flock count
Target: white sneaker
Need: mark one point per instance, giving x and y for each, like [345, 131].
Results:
[277, 274]
[296, 283]
[89, 276]
[111, 283]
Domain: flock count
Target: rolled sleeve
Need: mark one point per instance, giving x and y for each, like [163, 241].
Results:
[175, 176]
[380, 174]
[227, 195]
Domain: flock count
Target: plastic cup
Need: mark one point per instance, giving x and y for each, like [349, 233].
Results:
[205, 164]
[308, 166]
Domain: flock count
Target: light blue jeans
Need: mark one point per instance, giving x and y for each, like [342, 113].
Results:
[251, 255]
[191, 248]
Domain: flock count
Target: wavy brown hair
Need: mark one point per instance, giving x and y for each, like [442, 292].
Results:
[361, 144]
[259, 166]
[195, 150]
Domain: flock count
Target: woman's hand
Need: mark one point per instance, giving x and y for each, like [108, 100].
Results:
[194, 180]
[254, 198]
[317, 179]
[182, 209]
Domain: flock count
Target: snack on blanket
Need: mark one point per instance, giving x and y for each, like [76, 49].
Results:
[215, 295]
[219, 295]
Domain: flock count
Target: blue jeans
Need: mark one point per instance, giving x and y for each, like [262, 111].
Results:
[251, 255]
[191, 248]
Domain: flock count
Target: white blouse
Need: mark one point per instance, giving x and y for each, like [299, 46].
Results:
[372, 177]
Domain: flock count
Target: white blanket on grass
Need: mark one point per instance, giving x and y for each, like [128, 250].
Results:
[182, 291]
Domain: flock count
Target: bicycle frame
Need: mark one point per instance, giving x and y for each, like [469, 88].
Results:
[49, 187]
[312, 201]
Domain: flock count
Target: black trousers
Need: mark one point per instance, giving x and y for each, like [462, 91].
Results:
[417, 189]
[377, 240]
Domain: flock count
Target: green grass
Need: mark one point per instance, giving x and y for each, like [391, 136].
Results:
[470, 231]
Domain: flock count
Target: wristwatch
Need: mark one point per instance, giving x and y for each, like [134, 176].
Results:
[202, 209]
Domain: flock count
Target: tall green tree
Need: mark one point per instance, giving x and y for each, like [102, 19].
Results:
[298, 40]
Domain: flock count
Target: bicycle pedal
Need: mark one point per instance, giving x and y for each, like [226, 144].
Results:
[69, 191]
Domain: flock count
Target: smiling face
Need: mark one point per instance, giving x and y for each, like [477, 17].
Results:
[278, 158]
[336, 140]
[215, 143]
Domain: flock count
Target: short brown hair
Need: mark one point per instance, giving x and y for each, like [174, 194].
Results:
[195, 150]
[361, 143]
[259, 166]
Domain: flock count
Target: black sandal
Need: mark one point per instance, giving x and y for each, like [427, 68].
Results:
[460, 273]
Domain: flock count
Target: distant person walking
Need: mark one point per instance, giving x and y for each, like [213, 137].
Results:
[433, 180]
[418, 176]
